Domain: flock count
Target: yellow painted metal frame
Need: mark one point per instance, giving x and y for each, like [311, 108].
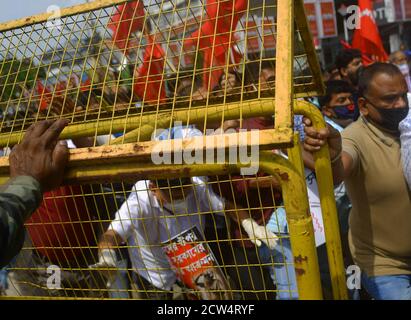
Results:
[328, 205]
[294, 193]
[140, 128]
[268, 137]
[318, 88]
[140, 152]
[144, 125]
[289, 14]
[284, 86]
[94, 5]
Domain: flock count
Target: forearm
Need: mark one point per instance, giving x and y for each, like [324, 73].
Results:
[236, 213]
[19, 198]
[110, 240]
[338, 171]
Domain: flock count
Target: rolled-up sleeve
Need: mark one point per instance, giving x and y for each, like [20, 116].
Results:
[405, 129]
[19, 198]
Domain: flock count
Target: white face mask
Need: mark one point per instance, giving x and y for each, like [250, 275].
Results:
[177, 206]
[404, 68]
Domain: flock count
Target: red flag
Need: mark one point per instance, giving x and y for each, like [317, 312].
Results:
[128, 19]
[45, 95]
[216, 36]
[149, 75]
[367, 37]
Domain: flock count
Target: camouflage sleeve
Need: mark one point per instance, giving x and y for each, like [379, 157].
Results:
[19, 198]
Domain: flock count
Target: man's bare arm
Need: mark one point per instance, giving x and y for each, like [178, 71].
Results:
[110, 240]
[342, 163]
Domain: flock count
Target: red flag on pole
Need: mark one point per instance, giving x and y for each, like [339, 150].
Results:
[128, 19]
[149, 75]
[367, 37]
[216, 36]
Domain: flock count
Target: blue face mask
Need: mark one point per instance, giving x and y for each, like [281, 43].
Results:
[345, 112]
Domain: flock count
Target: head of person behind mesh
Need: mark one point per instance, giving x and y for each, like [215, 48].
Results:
[172, 192]
[349, 63]
[399, 58]
[337, 103]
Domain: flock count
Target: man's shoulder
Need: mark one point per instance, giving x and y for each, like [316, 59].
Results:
[141, 191]
[355, 131]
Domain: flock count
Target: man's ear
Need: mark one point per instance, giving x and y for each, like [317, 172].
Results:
[362, 105]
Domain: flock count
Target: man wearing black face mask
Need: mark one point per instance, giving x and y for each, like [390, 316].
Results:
[368, 159]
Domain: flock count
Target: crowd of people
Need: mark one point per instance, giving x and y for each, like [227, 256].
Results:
[220, 237]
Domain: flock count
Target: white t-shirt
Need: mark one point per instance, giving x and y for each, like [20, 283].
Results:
[144, 224]
[405, 129]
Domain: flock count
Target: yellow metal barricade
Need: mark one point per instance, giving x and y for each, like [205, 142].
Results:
[77, 66]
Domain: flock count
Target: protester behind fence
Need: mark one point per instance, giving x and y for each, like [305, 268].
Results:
[349, 63]
[401, 61]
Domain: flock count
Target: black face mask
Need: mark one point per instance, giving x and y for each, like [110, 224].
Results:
[391, 118]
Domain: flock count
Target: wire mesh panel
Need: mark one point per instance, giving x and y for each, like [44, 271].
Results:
[164, 250]
[135, 59]
[121, 71]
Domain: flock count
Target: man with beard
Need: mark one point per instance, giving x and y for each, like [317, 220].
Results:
[367, 157]
[349, 63]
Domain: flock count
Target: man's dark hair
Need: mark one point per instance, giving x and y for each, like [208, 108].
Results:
[367, 74]
[345, 57]
[334, 87]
